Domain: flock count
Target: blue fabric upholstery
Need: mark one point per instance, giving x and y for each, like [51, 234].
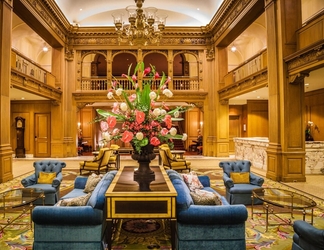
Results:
[307, 237]
[207, 227]
[240, 193]
[74, 227]
[51, 191]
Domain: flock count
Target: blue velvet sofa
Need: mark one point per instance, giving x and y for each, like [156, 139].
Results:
[207, 226]
[73, 227]
[307, 237]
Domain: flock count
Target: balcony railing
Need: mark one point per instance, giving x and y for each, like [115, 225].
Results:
[178, 83]
[26, 66]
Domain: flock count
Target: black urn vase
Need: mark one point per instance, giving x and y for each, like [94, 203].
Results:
[144, 175]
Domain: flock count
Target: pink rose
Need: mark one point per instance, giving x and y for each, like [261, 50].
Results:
[155, 141]
[111, 121]
[134, 78]
[164, 131]
[156, 76]
[104, 126]
[140, 116]
[127, 136]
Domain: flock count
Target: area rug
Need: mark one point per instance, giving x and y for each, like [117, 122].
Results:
[148, 234]
[138, 234]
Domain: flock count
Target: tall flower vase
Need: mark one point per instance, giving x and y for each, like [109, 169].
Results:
[144, 175]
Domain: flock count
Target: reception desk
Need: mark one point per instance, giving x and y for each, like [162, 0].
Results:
[254, 149]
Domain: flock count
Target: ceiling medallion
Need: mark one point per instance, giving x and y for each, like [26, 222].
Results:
[144, 27]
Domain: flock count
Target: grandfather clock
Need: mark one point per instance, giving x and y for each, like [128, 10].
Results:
[20, 127]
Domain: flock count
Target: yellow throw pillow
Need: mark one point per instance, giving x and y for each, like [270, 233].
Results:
[240, 177]
[46, 178]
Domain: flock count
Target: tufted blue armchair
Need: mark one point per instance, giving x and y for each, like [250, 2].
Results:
[51, 191]
[240, 193]
[307, 237]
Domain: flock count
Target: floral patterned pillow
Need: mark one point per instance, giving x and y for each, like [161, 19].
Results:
[92, 182]
[192, 181]
[203, 197]
[77, 201]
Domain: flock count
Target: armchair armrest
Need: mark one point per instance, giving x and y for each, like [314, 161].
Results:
[256, 180]
[78, 215]
[228, 181]
[57, 181]
[214, 215]
[29, 180]
[309, 236]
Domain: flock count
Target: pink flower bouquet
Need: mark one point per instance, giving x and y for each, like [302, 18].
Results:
[144, 120]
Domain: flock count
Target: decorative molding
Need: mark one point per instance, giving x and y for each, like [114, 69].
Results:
[305, 59]
[210, 54]
[255, 81]
[229, 11]
[224, 102]
[69, 54]
[49, 12]
[81, 105]
[298, 78]
[55, 103]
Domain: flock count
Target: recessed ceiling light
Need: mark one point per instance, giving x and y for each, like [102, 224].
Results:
[22, 98]
[80, 9]
[198, 9]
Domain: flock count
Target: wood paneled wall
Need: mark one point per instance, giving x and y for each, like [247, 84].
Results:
[27, 110]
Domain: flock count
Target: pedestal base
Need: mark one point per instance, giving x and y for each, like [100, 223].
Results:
[144, 175]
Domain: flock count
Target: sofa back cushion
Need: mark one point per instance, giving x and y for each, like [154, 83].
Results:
[97, 199]
[184, 200]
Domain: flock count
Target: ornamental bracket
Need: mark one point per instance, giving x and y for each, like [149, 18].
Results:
[298, 78]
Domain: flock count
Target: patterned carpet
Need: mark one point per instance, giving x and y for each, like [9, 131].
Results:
[277, 236]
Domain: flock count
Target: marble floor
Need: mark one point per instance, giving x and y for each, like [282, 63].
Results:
[313, 185]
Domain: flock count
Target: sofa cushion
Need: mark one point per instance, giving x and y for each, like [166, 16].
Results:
[92, 182]
[46, 178]
[240, 177]
[203, 197]
[192, 181]
[97, 199]
[76, 201]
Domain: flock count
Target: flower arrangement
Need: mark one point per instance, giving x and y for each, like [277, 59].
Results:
[144, 120]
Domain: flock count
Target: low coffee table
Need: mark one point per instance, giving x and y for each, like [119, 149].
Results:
[279, 201]
[19, 201]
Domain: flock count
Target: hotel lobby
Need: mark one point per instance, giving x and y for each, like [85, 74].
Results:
[249, 73]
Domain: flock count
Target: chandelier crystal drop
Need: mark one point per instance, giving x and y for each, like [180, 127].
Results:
[145, 26]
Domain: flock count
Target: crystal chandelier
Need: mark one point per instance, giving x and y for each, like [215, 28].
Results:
[144, 26]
